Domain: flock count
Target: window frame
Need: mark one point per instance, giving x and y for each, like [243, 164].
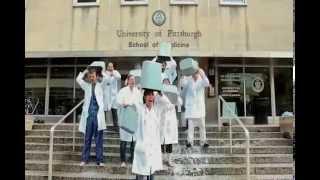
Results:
[136, 2]
[80, 4]
[175, 2]
[224, 3]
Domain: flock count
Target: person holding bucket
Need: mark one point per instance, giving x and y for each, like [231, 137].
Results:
[195, 109]
[147, 153]
[169, 65]
[92, 122]
[126, 98]
[169, 122]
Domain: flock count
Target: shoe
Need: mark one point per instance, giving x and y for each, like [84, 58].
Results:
[189, 145]
[83, 163]
[101, 164]
[123, 164]
[205, 145]
[225, 124]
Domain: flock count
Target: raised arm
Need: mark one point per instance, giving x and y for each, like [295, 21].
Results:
[172, 64]
[80, 80]
[204, 80]
[154, 59]
[116, 74]
[163, 102]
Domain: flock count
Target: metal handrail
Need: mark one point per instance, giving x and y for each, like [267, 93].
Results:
[52, 133]
[247, 134]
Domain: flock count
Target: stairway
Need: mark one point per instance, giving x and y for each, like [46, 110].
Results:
[271, 156]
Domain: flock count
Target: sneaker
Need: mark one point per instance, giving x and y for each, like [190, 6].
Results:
[205, 145]
[189, 145]
[101, 164]
[123, 164]
[83, 163]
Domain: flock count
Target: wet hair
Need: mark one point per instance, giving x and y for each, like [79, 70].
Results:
[97, 71]
[146, 93]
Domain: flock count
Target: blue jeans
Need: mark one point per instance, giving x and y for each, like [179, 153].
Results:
[141, 177]
[92, 130]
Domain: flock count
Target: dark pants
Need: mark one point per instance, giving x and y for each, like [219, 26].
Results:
[166, 148]
[141, 177]
[114, 117]
[92, 130]
[123, 150]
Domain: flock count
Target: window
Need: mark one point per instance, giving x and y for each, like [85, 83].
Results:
[179, 2]
[134, 2]
[231, 87]
[35, 86]
[283, 86]
[233, 2]
[86, 2]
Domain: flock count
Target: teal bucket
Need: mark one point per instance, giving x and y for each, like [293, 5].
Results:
[151, 76]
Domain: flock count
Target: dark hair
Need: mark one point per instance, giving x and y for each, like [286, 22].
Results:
[97, 71]
[146, 93]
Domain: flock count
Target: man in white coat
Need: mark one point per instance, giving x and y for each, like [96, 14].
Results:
[128, 117]
[111, 88]
[92, 122]
[195, 110]
[147, 152]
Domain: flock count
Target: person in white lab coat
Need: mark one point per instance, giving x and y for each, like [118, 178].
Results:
[169, 129]
[111, 89]
[92, 121]
[128, 116]
[195, 110]
[169, 66]
[147, 152]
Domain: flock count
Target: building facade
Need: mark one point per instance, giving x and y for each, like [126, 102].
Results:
[245, 47]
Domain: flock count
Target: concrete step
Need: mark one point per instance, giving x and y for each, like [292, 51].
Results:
[189, 170]
[42, 175]
[177, 158]
[211, 141]
[178, 149]
[209, 128]
[183, 134]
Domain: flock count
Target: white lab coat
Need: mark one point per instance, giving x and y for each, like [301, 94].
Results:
[169, 125]
[110, 90]
[87, 87]
[126, 96]
[147, 153]
[194, 96]
[170, 70]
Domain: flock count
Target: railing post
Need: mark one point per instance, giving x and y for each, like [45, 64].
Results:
[230, 135]
[74, 130]
[51, 137]
[219, 113]
[248, 154]
[50, 154]
[247, 134]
